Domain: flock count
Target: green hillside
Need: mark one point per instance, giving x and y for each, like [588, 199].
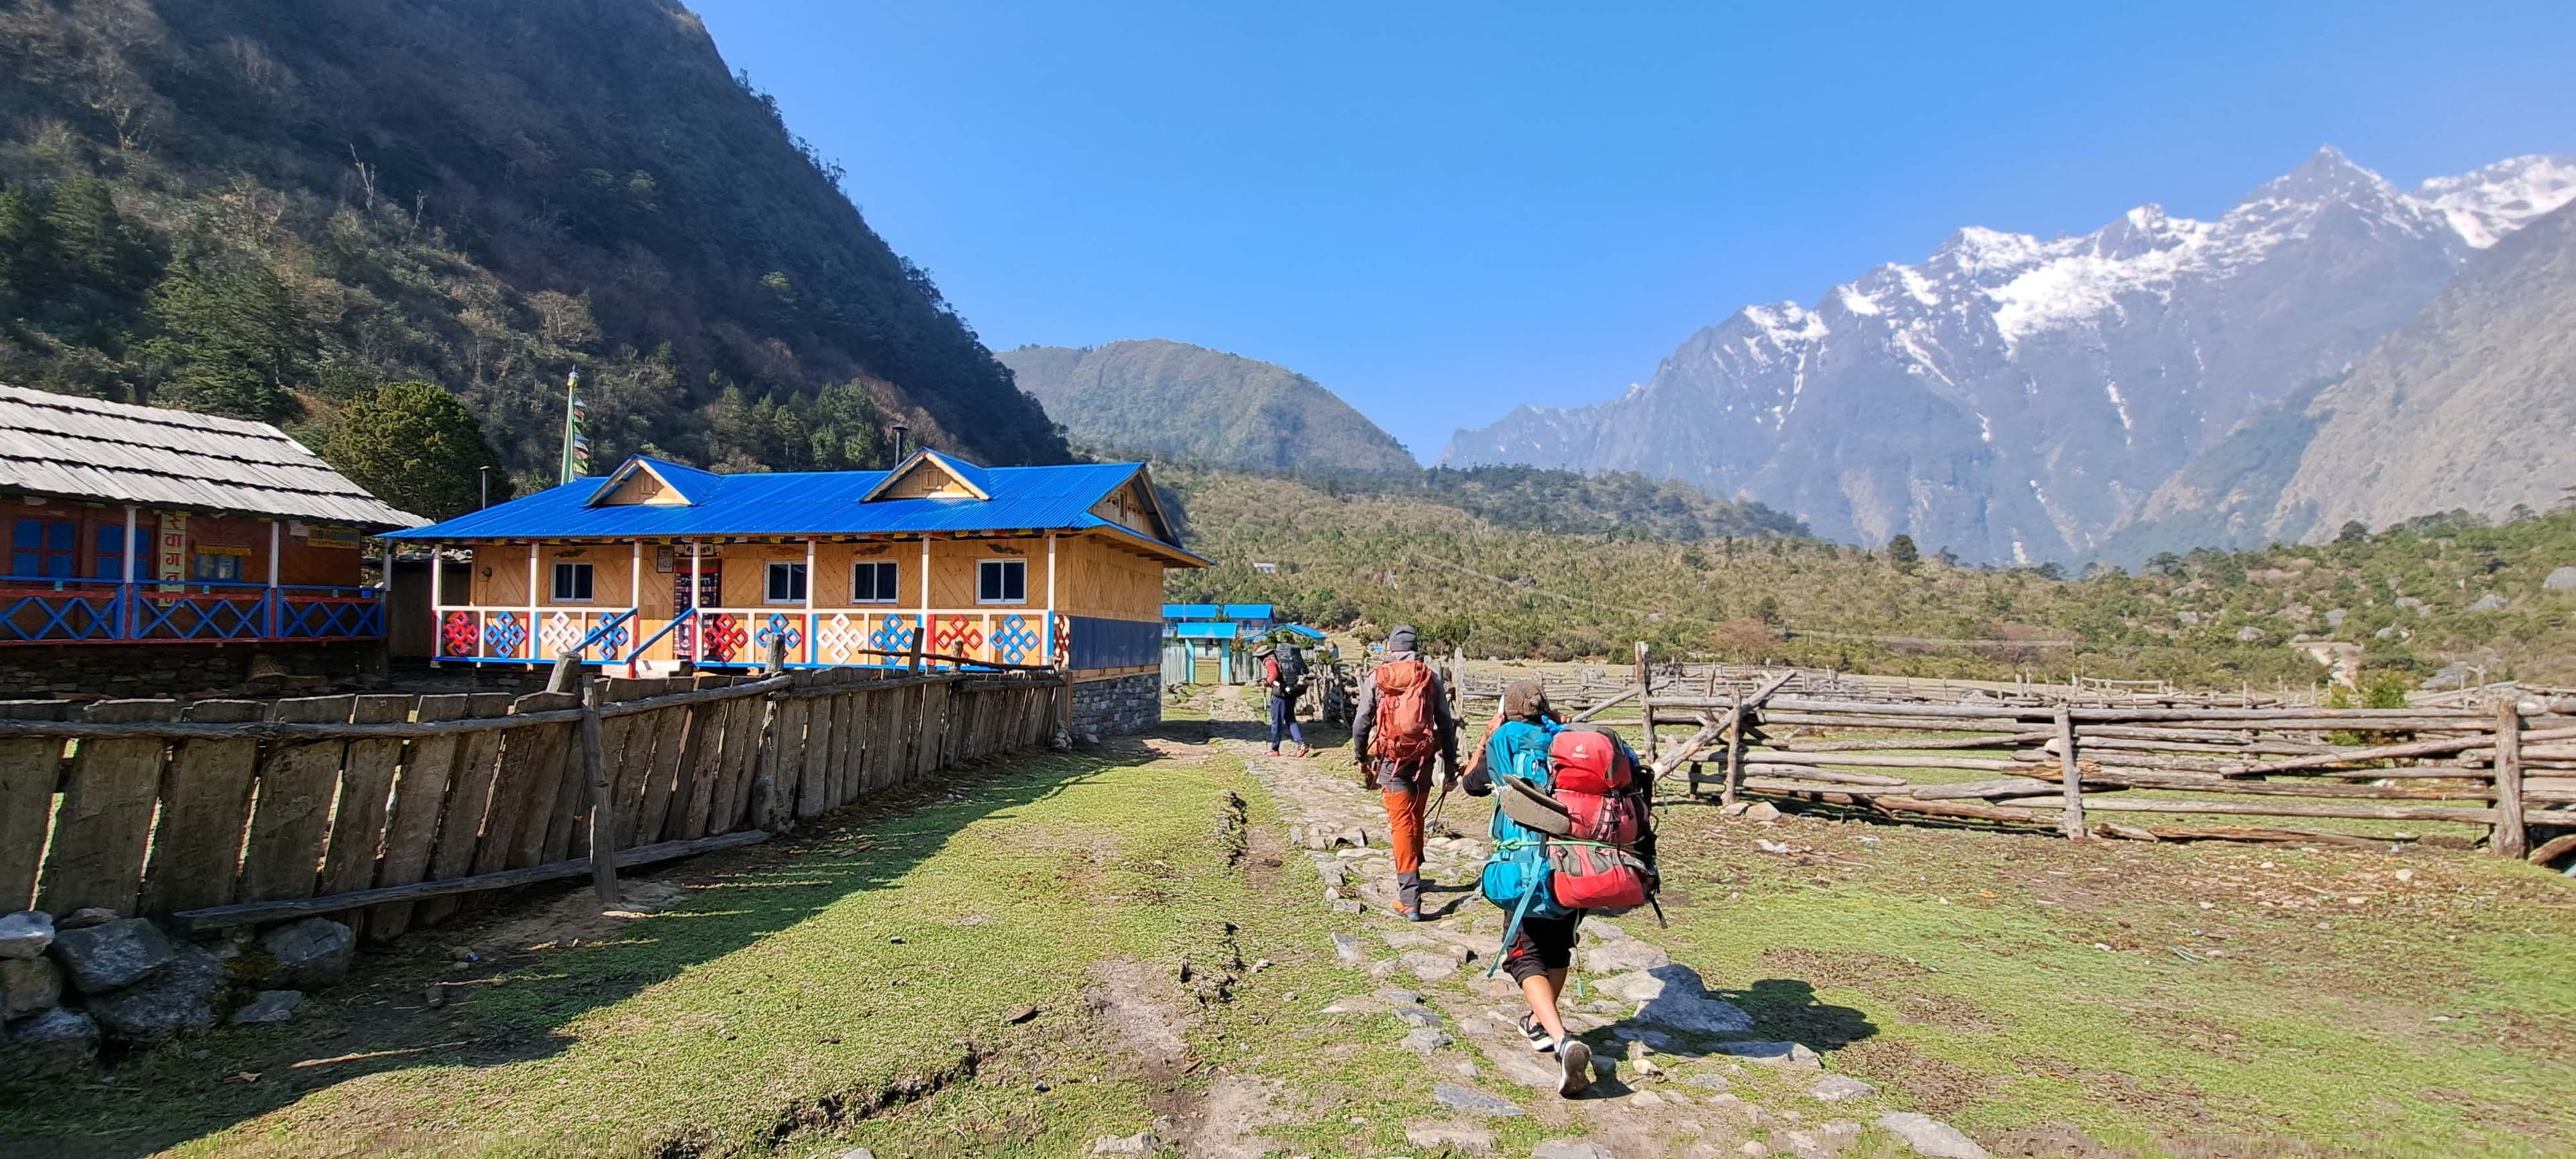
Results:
[268, 209]
[1171, 400]
[1368, 559]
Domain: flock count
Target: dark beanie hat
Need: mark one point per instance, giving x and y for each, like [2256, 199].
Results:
[1401, 639]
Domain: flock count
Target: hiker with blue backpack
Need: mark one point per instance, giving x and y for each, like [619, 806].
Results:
[1571, 835]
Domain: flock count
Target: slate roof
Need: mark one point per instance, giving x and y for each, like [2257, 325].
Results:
[801, 503]
[70, 447]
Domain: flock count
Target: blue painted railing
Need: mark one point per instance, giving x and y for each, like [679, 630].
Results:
[57, 610]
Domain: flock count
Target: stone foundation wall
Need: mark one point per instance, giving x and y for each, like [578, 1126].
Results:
[1123, 705]
[121, 670]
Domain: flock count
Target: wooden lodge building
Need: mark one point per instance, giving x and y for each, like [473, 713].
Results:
[657, 566]
[152, 549]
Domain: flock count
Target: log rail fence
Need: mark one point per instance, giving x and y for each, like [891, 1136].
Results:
[2075, 765]
[219, 813]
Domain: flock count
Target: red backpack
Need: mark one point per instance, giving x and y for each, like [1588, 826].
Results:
[1598, 865]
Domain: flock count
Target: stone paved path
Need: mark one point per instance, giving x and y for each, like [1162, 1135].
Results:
[1680, 1073]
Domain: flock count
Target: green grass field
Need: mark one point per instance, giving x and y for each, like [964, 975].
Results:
[2047, 997]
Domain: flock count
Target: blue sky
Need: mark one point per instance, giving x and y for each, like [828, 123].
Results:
[1443, 210]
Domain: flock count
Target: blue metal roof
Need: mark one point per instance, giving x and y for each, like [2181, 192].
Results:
[1193, 612]
[798, 503]
[1247, 611]
[1301, 630]
[1215, 631]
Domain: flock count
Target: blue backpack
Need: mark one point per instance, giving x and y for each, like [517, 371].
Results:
[1516, 872]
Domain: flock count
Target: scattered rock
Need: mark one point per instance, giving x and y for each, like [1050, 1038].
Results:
[1931, 1137]
[179, 997]
[1430, 967]
[25, 934]
[1473, 1101]
[1466, 1138]
[55, 1044]
[2561, 580]
[1714, 1082]
[858, 1153]
[1571, 1149]
[1143, 1143]
[1623, 954]
[1400, 997]
[28, 985]
[1754, 1148]
[112, 954]
[1734, 810]
[1762, 811]
[1603, 928]
[1349, 950]
[1426, 1040]
[1773, 1053]
[1672, 997]
[84, 917]
[1349, 907]
[1418, 1015]
[1837, 1087]
[1403, 939]
[636, 899]
[2490, 602]
[2248, 634]
[310, 953]
[1333, 873]
[270, 1006]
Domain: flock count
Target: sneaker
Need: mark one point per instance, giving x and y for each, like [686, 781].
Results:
[1573, 1066]
[1539, 1039]
[1274, 752]
[1303, 750]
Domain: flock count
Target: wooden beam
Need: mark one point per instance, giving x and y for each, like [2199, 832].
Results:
[254, 913]
[603, 809]
[2071, 822]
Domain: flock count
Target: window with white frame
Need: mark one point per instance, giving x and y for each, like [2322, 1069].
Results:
[572, 583]
[875, 581]
[786, 584]
[1002, 581]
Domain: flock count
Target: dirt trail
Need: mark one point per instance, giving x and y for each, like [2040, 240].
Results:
[1671, 1059]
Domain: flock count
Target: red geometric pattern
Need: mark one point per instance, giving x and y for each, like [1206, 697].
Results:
[958, 636]
[461, 633]
[724, 635]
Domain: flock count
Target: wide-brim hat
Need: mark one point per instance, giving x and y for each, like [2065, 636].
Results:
[1522, 800]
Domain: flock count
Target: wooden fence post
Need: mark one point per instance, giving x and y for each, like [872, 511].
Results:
[2072, 823]
[2507, 838]
[1645, 701]
[764, 781]
[1734, 753]
[594, 771]
[567, 673]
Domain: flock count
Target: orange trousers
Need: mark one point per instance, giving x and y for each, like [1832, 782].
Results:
[1406, 792]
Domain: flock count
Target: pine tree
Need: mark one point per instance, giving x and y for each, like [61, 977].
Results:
[235, 338]
[415, 446]
[1902, 552]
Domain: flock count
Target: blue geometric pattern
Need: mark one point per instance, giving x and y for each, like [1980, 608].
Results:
[504, 633]
[893, 633]
[1012, 640]
[612, 643]
[781, 626]
[58, 618]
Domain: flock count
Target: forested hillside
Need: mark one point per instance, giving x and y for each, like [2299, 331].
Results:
[2415, 597]
[272, 209]
[1173, 400]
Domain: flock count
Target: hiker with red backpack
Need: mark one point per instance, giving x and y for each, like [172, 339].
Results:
[1572, 833]
[1400, 728]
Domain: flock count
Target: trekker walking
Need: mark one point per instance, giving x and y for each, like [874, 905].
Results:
[1283, 672]
[1541, 952]
[1401, 725]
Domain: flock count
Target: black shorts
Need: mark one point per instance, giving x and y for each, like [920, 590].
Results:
[1543, 944]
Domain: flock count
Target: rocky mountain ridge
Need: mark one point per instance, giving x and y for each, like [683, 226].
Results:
[1177, 401]
[2016, 399]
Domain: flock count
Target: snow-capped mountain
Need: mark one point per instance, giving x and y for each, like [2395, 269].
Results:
[2016, 399]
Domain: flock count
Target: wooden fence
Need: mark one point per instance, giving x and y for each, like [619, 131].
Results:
[221, 812]
[2063, 766]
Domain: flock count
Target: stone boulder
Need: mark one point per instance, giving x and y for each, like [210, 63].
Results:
[26, 934]
[178, 998]
[308, 954]
[270, 1006]
[2561, 579]
[54, 1044]
[111, 955]
[28, 985]
[1672, 996]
